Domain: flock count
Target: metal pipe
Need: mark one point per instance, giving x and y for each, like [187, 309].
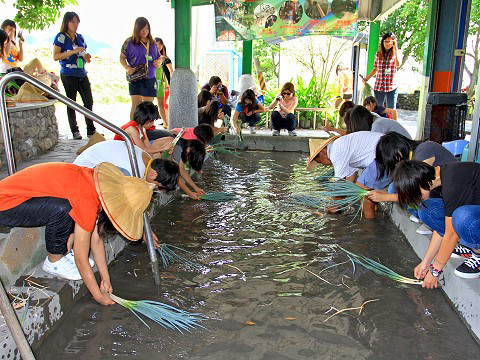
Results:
[84, 111]
[473, 147]
[14, 325]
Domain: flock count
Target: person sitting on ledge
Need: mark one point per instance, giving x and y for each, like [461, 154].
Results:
[144, 118]
[248, 111]
[456, 219]
[80, 207]
[284, 117]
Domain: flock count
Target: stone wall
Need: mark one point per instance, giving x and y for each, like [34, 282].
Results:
[34, 130]
[408, 101]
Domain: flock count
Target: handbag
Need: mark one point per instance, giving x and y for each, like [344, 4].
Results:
[141, 71]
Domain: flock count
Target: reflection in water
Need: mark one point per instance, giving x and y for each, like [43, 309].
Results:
[256, 285]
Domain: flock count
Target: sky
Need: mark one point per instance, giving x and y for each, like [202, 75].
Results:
[106, 21]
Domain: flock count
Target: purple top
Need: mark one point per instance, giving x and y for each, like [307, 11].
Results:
[135, 55]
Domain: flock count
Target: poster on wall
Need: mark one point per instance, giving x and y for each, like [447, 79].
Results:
[248, 19]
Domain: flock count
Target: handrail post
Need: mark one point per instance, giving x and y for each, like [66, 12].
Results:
[7, 141]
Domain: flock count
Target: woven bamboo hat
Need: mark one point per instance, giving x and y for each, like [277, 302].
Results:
[317, 145]
[124, 199]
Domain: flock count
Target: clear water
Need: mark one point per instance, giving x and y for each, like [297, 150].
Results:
[255, 287]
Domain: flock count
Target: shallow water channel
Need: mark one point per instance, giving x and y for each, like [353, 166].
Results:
[256, 288]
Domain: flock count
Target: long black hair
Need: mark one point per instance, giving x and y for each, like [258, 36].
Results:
[358, 119]
[105, 227]
[3, 38]
[204, 133]
[69, 16]
[210, 113]
[145, 112]
[248, 94]
[167, 173]
[409, 176]
[392, 148]
[384, 53]
[196, 155]
[203, 98]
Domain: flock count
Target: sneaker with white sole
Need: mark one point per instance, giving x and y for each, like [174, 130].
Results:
[276, 133]
[424, 230]
[470, 269]
[292, 133]
[461, 252]
[414, 219]
[252, 130]
[71, 256]
[62, 268]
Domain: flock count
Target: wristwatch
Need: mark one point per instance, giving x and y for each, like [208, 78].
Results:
[435, 273]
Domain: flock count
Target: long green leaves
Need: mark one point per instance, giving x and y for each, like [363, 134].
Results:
[171, 253]
[324, 173]
[308, 200]
[342, 194]
[166, 154]
[379, 268]
[218, 196]
[163, 314]
[216, 139]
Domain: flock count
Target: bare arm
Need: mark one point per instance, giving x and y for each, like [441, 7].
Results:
[20, 51]
[291, 107]
[58, 55]
[186, 176]
[81, 248]
[260, 108]
[186, 189]
[372, 74]
[382, 196]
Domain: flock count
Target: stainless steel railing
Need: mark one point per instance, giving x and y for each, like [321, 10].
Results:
[7, 140]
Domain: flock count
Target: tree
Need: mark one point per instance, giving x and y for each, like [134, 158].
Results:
[38, 14]
[266, 60]
[474, 51]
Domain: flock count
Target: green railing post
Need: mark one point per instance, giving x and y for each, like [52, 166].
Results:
[247, 57]
[183, 33]
[373, 41]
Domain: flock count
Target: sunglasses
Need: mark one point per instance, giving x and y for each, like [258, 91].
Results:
[286, 93]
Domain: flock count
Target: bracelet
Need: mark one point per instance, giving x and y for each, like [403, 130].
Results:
[435, 272]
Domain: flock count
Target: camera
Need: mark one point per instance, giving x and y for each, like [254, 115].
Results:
[279, 97]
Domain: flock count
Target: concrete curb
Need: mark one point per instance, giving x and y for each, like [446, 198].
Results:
[463, 293]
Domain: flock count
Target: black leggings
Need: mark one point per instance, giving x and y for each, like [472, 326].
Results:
[43, 211]
[72, 85]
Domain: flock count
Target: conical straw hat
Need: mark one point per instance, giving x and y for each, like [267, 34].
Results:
[317, 145]
[94, 139]
[124, 199]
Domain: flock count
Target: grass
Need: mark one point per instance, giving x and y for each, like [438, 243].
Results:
[164, 315]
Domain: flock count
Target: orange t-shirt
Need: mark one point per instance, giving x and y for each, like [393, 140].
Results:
[58, 180]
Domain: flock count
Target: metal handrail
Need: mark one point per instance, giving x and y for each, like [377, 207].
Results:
[7, 140]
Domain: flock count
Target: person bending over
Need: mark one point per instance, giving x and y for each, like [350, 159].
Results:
[144, 118]
[76, 205]
[203, 132]
[456, 219]
[247, 111]
[284, 117]
[213, 112]
[371, 104]
[344, 108]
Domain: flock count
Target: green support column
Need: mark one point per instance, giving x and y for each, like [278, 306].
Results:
[183, 33]
[373, 40]
[247, 57]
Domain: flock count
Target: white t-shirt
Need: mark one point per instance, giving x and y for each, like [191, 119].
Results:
[112, 151]
[352, 152]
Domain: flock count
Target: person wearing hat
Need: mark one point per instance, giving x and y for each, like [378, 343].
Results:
[347, 154]
[76, 205]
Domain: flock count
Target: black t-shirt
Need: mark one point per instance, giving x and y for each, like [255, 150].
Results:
[460, 185]
[165, 69]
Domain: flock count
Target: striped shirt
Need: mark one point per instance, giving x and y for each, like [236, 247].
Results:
[385, 79]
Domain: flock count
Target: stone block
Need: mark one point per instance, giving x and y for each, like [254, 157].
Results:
[183, 110]
[246, 81]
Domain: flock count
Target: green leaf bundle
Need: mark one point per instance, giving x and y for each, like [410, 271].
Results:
[379, 268]
[166, 154]
[165, 315]
[171, 253]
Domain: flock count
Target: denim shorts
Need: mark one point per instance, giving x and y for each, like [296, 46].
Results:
[145, 87]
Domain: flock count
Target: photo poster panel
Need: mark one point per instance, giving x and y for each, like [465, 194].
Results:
[248, 20]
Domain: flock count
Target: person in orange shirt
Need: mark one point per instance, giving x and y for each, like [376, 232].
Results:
[79, 206]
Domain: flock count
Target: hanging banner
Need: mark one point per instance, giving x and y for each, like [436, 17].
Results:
[248, 19]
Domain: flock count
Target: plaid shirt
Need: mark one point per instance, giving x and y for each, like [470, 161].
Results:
[385, 80]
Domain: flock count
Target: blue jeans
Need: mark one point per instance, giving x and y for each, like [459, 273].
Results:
[465, 219]
[391, 97]
[252, 120]
[278, 122]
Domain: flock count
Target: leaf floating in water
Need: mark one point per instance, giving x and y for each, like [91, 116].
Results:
[290, 318]
[163, 314]
[250, 323]
[379, 268]
[218, 196]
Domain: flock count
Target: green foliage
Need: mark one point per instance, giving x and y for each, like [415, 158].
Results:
[39, 14]
[266, 59]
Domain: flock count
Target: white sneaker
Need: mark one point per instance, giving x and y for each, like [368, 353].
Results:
[276, 133]
[424, 230]
[414, 219]
[62, 268]
[71, 256]
[292, 133]
[252, 130]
